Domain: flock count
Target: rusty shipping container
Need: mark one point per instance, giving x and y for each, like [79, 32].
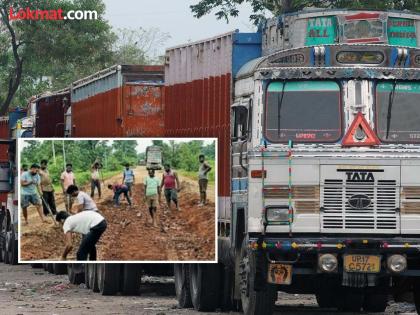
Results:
[49, 113]
[198, 93]
[122, 101]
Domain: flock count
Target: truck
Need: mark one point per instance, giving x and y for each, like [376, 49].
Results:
[120, 101]
[154, 157]
[319, 158]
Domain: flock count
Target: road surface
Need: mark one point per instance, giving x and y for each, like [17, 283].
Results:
[26, 291]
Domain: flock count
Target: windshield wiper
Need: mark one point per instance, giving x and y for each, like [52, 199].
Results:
[390, 102]
[280, 103]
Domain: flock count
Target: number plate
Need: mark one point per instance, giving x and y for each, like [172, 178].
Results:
[280, 274]
[362, 263]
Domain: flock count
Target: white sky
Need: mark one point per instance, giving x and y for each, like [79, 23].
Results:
[173, 17]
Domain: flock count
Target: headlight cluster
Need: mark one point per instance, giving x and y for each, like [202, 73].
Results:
[277, 214]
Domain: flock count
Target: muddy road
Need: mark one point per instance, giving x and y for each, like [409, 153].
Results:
[26, 291]
[188, 234]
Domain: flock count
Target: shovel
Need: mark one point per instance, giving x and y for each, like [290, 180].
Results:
[49, 210]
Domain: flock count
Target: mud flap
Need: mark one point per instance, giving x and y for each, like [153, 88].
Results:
[260, 282]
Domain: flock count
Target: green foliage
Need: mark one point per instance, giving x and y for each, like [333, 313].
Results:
[230, 8]
[82, 155]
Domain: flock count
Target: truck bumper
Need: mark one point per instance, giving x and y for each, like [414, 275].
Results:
[302, 252]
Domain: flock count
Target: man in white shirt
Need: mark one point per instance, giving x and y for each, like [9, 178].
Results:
[88, 223]
[84, 201]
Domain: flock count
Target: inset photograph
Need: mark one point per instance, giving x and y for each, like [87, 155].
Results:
[117, 200]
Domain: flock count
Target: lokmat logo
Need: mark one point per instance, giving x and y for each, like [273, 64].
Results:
[51, 15]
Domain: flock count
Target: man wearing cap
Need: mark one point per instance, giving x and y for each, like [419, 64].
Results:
[30, 191]
[88, 223]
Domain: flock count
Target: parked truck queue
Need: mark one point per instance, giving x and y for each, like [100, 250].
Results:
[319, 157]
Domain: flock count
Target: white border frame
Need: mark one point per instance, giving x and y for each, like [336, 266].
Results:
[216, 170]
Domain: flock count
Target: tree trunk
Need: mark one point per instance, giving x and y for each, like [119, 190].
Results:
[16, 77]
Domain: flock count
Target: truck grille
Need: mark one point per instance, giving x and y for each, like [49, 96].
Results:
[380, 214]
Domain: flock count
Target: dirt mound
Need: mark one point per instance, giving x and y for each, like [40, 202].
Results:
[188, 234]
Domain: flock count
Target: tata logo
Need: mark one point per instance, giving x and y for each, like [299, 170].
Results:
[360, 176]
[359, 202]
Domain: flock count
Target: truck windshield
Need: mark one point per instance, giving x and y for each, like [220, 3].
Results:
[303, 111]
[398, 115]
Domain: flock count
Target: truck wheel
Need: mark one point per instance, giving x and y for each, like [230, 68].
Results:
[4, 229]
[108, 276]
[76, 273]
[204, 286]
[36, 266]
[131, 279]
[327, 291]
[50, 268]
[375, 302]
[182, 285]
[253, 302]
[45, 266]
[416, 296]
[350, 300]
[90, 277]
[59, 269]
[13, 248]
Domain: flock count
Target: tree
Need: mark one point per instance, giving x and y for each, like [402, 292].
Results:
[39, 55]
[138, 46]
[230, 8]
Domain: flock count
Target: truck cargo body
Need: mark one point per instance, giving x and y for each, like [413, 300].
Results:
[49, 112]
[122, 101]
[199, 93]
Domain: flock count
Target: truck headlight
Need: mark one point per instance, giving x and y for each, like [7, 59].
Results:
[277, 214]
[327, 263]
[397, 263]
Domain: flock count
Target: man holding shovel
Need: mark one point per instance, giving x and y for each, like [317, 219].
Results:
[47, 190]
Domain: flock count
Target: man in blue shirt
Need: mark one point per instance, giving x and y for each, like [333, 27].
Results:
[30, 191]
[128, 178]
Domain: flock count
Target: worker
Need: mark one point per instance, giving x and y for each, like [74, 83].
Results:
[170, 182]
[47, 189]
[24, 168]
[84, 201]
[30, 191]
[151, 193]
[118, 190]
[203, 171]
[88, 223]
[67, 178]
[128, 178]
[95, 181]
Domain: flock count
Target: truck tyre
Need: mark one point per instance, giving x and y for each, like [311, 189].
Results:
[416, 295]
[59, 269]
[182, 285]
[13, 248]
[45, 266]
[131, 279]
[327, 291]
[90, 277]
[75, 273]
[50, 268]
[350, 300]
[375, 302]
[4, 245]
[204, 286]
[253, 302]
[108, 276]
[36, 266]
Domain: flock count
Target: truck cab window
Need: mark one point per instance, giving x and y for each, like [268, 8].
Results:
[240, 127]
[303, 111]
[398, 115]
